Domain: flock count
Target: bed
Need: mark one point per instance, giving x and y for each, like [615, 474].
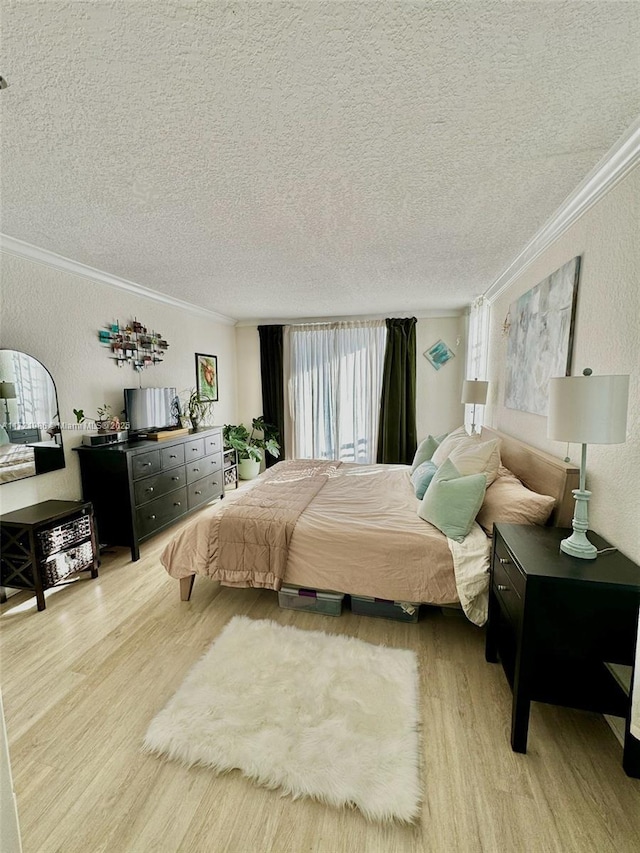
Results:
[358, 532]
[16, 461]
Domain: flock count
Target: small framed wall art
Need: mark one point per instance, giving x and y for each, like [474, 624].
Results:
[438, 354]
[207, 376]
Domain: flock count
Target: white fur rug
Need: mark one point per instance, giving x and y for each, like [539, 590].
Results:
[314, 714]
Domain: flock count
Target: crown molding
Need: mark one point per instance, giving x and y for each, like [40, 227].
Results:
[614, 166]
[22, 249]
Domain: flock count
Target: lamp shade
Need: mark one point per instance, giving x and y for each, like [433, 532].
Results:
[474, 391]
[588, 409]
[7, 391]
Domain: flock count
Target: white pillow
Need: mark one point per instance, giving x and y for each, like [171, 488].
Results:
[458, 437]
[478, 458]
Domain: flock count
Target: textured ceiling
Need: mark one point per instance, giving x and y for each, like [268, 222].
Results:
[306, 159]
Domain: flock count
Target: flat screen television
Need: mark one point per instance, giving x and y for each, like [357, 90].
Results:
[151, 409]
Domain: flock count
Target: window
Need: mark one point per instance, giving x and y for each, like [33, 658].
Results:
[477, 353]
[333, 384]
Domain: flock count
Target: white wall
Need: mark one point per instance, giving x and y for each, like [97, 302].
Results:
[607, 339]
[248, 382]
[55, 317]
[438, 392]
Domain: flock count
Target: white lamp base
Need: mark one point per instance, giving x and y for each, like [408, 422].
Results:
[577, 545]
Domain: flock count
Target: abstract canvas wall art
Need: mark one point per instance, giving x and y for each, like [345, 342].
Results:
[541, 339]
[438, 354]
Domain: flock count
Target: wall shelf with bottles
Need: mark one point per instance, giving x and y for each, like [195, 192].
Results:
[134, 344]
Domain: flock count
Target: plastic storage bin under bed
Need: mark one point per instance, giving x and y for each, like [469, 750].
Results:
[293, 598]
[381, 607]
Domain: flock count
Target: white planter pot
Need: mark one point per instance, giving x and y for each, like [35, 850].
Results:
[248, 469]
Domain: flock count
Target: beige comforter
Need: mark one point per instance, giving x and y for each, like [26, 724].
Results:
[360, 534]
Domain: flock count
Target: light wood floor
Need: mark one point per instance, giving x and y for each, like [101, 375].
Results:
[82, 680]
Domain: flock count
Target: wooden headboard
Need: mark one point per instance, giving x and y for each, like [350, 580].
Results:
[540, 472]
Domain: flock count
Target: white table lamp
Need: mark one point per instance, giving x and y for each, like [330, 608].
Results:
[474, 391]
[586, 410]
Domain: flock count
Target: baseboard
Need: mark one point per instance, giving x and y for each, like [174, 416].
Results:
[616, 724]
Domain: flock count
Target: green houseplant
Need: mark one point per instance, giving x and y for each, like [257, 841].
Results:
[251, 445]
[195, 409]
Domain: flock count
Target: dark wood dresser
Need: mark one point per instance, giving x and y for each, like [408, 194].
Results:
[564, 628]
[139, 488]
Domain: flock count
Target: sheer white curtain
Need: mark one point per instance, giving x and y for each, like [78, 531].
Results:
[333, 384]
[477, 353]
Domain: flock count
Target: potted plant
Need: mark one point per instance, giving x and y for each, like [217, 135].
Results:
[251, 446]
[195, 409]
[105, 420]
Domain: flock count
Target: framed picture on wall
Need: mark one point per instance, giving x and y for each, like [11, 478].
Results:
[207, 376]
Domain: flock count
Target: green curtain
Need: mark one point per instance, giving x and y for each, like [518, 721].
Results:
[397, 435]
[271, 369]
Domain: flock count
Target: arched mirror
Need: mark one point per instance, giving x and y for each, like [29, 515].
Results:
[30, 435]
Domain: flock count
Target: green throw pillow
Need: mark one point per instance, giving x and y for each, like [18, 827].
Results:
[452, 502]
[426, 449]
[422, 476]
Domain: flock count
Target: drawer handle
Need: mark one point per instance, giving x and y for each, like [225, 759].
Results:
[149, 489]
[151, 517]
[177, 503]
[195, 470]
[175, 478]
[173, 456]
[198, 493]
[194, 449]
[503, 561]
[146, 464]
[502, 588]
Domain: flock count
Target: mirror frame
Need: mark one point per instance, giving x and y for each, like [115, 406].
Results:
[45, 460]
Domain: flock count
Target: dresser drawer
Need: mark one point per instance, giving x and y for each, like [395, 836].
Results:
[158, 485]
[23, 436]
[161, 511]
[203, 467]
[213, 443]
[213, 463]
[172, 456]
[193, 449]
[145, 464]
[204, 490]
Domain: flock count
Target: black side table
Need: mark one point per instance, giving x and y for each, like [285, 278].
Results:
[564, 628]
[43, 544]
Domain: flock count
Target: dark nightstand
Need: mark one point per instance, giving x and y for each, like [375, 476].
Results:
[44, 544]
[558, 623]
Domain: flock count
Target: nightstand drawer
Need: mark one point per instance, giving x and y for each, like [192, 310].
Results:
[505, 567]
[511, 602]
